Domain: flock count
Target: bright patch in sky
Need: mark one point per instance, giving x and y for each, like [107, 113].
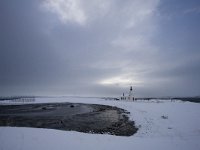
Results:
[67, 10]
[120, 80]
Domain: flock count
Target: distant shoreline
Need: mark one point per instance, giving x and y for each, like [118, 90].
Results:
[32, 98]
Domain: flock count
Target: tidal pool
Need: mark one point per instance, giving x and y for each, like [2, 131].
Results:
[88, 118]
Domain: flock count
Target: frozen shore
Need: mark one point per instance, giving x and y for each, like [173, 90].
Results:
[179, 129]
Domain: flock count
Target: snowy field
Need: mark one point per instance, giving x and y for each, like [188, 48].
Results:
[162, 125]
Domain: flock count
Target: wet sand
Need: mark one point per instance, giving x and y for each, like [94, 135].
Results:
[88, 118]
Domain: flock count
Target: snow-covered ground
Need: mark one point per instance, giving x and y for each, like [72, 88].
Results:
[179, 131]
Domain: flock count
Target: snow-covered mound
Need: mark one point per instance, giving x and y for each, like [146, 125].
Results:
[162, 125]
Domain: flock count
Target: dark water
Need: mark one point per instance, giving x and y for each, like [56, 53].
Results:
[88, 118]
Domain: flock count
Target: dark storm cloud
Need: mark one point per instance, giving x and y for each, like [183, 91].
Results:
[99, 48]
[25, 51]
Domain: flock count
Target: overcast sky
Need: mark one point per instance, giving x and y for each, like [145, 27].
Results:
[100, 47]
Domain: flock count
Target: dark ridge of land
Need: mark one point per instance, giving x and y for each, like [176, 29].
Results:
[16, 98]
[88, 118]
[188, 99]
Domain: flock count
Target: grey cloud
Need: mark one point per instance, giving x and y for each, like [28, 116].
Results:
[42, 54]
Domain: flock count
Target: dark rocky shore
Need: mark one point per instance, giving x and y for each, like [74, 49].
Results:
[88, 118]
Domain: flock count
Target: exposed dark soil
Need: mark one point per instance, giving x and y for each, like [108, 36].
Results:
[88, 118]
